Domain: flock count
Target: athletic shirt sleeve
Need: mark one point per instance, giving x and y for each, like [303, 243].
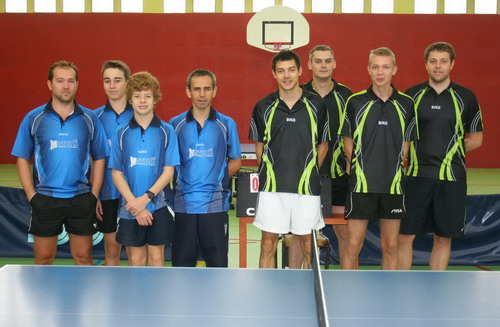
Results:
[115, 159]
[323, 128]
[348, 117]
[257, 125]
[172, 157]
[23, 145]
[99, 146]
[233, 141]
[474, 120]
[411, 132]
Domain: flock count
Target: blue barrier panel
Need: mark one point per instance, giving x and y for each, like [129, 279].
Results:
[480, 246]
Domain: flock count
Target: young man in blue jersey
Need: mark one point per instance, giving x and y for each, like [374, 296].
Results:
[116, 113]
[210, 154]
[377, 127]
[290, 130]
[450, 125]
[62, 137]
[143, 155]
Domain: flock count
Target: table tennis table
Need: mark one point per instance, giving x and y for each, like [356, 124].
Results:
[129, 296]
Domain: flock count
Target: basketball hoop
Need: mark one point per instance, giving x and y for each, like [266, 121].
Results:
[277, 47]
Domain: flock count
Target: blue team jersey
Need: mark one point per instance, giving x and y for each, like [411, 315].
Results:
[62, 149]
[141, 155]
[202, 182]
[111, 121]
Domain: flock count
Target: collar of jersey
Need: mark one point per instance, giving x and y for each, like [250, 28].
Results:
[189, 115]
[155, 122]
[308, 86]
[108, 107]
[451, 86]
[373, 95]
[77, 109]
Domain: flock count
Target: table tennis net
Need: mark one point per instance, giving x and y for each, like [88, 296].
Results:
[319, 294]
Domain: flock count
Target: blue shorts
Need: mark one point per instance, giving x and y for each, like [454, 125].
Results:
[162, 232]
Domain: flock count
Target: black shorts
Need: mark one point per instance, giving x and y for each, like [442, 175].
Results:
[435, 206]
[49, 214]
[109, 216]
[339, 190]
[375, 206]
[162, 232]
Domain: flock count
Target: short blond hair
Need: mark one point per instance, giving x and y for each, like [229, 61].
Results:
[384, 52]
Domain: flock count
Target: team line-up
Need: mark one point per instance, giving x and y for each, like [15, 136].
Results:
[394, 157]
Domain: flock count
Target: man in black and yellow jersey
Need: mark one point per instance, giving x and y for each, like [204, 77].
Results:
[290, 128]
[378, 125]
[322, 63]
[450, 125]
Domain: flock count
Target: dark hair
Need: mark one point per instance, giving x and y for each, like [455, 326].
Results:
[116, 64]
[440, 47]
[62, 64]
[285, 55]
[201, 72]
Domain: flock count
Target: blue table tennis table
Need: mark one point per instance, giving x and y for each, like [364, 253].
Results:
[127, 296]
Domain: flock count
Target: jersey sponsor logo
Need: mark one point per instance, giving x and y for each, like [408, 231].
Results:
[63, 134]
[433, 107]
[292, 120]
[71, 144]
[383, 122]
[396, 210]
[142, 161]
[142, 151]
[208, 153]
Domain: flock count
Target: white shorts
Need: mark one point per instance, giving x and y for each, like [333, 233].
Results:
[282, 213]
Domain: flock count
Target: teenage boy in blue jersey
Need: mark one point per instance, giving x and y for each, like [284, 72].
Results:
[210, 154]
[143, 155]
[116, 113]
[62, 137]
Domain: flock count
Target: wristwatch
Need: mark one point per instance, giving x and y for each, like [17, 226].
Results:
[151, 195]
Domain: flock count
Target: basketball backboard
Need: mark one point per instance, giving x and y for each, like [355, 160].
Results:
[277, 28]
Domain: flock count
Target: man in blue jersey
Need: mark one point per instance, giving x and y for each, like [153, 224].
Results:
[210, 154]
[62, 137]
[450, 124]
[143, 155]
[116, 113]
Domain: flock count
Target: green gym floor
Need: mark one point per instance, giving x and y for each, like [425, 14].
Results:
[479, 181]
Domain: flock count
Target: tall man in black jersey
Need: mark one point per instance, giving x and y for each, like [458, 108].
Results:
[322, 63]
[450, 125]
[290, 128]
[378, 125]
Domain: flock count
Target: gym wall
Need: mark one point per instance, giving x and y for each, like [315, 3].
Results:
[172, 45]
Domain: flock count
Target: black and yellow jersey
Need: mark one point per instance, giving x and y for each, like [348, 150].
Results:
[335, 100]
[379, 130]
[290, 137]
[443, 121]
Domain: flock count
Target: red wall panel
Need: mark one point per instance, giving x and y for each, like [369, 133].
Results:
[171, 45]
